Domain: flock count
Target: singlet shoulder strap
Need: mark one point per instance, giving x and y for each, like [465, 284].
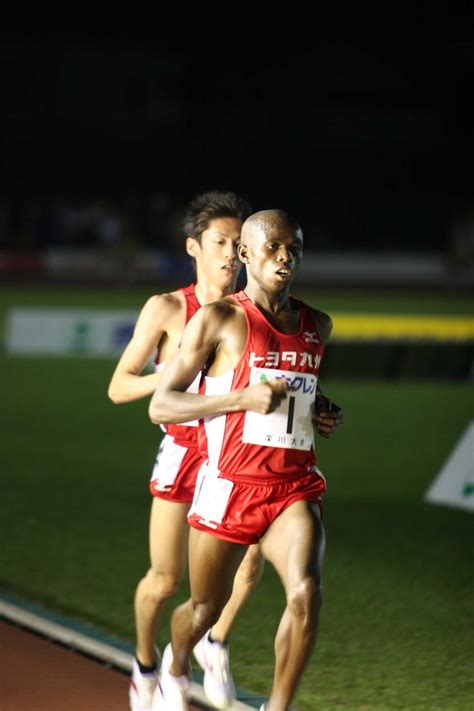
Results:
[189, 290]
[192, 303]
[240, 296]
[308, 317]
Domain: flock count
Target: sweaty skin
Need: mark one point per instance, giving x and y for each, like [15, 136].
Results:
[219, 330]
[159, 327]
[271, 248]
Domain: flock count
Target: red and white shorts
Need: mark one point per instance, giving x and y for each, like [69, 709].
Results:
[175, 471]
[242, 509]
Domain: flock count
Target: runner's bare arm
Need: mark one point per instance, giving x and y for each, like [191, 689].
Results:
[323, 323]
[327, 415]
[204, 337]
[127, 384]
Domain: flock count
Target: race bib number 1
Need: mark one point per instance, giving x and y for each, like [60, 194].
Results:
[290, 426]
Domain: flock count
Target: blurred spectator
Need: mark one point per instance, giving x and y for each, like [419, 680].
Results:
[163, 225]
[78, 220]
[107, 226]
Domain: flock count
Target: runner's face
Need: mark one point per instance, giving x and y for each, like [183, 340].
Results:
[274, 257]
[216, 255]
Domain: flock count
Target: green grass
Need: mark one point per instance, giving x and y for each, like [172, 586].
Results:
[381, 301]
[397, 619]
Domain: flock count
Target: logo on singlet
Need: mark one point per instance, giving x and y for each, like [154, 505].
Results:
[295, 382]
[274, 359]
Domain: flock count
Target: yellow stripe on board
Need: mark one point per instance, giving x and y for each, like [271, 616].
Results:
[369, 327]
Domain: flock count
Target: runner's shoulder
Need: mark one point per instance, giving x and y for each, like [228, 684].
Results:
[323, 323]
[165, 305]
[219, 313]
[223, 308]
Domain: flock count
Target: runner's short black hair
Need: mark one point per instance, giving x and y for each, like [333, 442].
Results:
[212, 205]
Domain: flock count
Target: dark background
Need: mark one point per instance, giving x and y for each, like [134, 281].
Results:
[370, 147]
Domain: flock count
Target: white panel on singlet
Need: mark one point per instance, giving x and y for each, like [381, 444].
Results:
[215, 426]
[193, 388]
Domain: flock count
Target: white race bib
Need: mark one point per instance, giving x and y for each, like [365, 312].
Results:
[211, 496]
[290, 425]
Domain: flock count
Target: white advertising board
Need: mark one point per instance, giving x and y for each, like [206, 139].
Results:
[68, 331]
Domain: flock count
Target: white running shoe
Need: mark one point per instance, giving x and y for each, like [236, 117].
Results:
[142, 686]
[158, 703]
[171, 693]
[213, 658]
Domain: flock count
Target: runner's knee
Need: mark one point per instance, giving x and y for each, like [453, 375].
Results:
[205, 614]
[305, 599]
[162, 585]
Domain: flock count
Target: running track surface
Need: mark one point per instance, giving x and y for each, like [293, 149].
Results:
[37, 674]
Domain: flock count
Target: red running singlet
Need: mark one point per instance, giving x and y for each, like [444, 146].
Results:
[247, 444]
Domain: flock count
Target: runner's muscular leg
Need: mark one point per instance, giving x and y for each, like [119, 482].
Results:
[212, 566]
[168, 536]
[294, 544]
[246, 579]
